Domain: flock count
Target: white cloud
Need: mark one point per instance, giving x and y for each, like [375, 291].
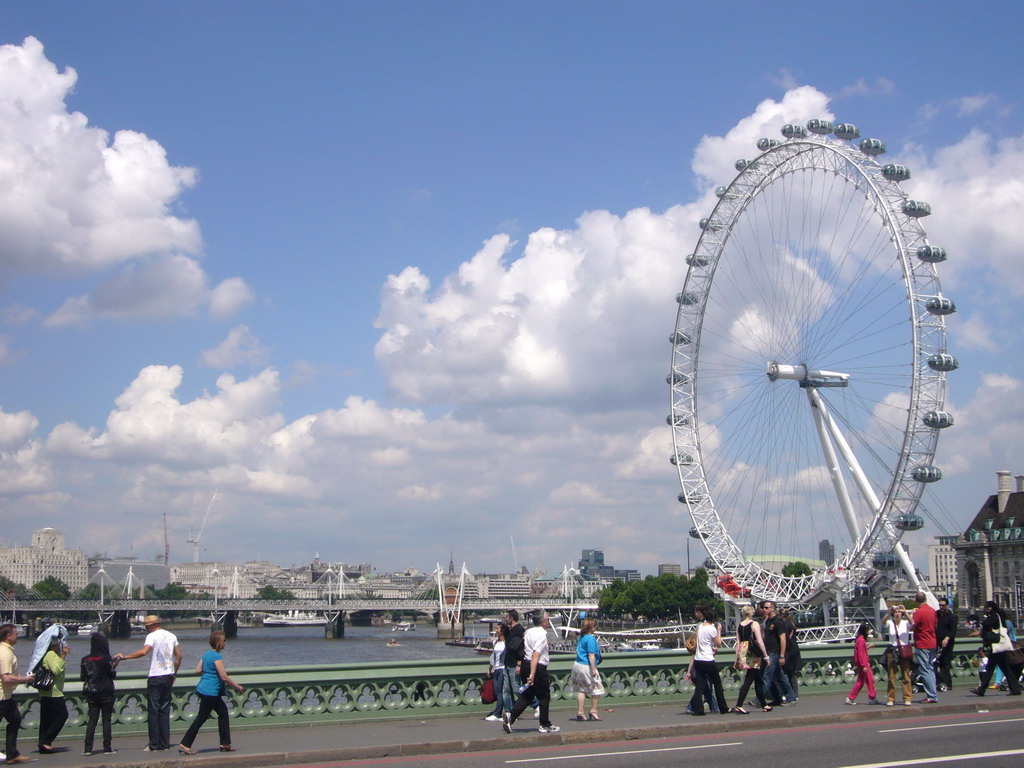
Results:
[70, 199]
[241, 347]
[968, 105]
[229, 297]
[16, 428]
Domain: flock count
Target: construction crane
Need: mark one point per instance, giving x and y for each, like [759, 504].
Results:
[193, 538]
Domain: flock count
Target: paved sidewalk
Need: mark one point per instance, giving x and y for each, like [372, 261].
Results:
[464, 733]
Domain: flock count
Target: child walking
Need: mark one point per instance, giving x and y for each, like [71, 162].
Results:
[862, 665]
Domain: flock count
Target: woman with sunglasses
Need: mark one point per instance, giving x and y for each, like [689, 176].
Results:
[899, 663]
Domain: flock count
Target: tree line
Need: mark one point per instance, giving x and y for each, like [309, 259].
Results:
[658, 598]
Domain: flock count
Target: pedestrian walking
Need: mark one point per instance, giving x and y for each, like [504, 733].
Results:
[776, 683]
[496, 669]
[945, 637]
[97, 674]
[924, 646]
[792, 662]
[9, 681]
[993, 621]
[862, 666]
[213, 681]
[53, 709]
[585, 679]
[534, 670]
[750, 659]
[899, 655]
[163, 669]
[704, 669]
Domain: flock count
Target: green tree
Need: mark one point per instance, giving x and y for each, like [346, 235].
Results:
[796, 568]
[172, 591]
[270, 592]
[52, 588]
[658, 598]
[9, 587]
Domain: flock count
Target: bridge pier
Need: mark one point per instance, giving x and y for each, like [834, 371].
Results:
[117, 625]
[227, 623]
[334, 629]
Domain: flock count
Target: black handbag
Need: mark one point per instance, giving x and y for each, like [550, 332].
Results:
[43, 680]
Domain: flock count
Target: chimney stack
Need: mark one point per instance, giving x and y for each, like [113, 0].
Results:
[1020, 483]
[1003, 476]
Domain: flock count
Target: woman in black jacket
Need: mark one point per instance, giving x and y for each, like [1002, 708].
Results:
[994, 619]
[98, 686]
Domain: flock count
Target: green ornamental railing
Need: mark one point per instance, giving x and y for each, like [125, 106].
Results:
[306, 695]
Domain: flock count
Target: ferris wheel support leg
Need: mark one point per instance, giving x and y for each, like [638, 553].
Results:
[822, 421]
[908, 566]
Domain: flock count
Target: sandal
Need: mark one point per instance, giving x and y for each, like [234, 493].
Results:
[739, 711]
[593, 716]
[185, 750]
[228, 748]
[581, 718]
[766, 708]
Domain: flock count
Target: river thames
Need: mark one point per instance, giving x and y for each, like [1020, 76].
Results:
[277, 646]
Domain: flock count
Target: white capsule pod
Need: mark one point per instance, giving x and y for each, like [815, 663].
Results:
[916, 209]
[846, 131]
[938, 419]
[764, 144]
[741, 164]
[710, 564]
[793, 131]
[687, 298]
[926, 473]
[894, 172]
[690, 498]
[943, 361]
[682, 460]
[709, 224]
[694, 533]
[907, 522]
[819, 127]
[872, 147]
[698, 260]
[679, 339]
[940, 305]
[931, 254]
[677, 378]
[677, 420]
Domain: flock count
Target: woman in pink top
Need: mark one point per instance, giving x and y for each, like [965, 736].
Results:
[862, 665]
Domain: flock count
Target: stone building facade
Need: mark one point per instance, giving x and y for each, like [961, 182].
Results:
[46, 556]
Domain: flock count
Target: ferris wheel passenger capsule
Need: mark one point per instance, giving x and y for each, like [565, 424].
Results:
[940, 305]
[894, 172]
[764, 144]
[694, 533]
[677, 420]
[721, 191]
[741, 164]
[938, 419]
[679, 339]
[926, 473]
[846, 131]
[698, 260]
[819, 127]
[687, 298]
[916, 208]
[873, 147]
[682, 460]
[709, 224]
[710, 564]
[931, 254]
[883, 561]
[677, 378]
[907, 522]
[943, 361]
[793, 131]
[690, 498]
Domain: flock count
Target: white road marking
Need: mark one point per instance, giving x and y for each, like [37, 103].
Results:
[951, 725]
[945, 759]
[628, 752]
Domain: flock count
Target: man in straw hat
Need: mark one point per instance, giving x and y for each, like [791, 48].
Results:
[163, 668]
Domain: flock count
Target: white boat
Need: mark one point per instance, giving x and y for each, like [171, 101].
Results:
[294, 619]
[86, 629]
[639, 645]
[403, 626]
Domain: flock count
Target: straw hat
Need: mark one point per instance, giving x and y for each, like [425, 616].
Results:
[151, 619]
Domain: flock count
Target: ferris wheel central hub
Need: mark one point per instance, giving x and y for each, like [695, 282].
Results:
[806, 376]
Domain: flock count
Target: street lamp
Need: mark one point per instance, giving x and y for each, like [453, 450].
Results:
[214, 584]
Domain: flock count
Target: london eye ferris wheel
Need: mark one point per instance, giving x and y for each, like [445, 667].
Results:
[809, 366]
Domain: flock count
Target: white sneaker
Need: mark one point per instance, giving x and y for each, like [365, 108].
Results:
[492, 718]
[908, 703]
[888, 703]
[536, 713]
[549, 729]
[850, 701]
[506, 724]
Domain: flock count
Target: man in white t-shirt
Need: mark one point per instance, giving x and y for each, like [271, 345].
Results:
[537, 684]
[163, 668]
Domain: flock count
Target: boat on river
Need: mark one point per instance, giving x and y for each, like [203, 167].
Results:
[403, 626]
[294, 619]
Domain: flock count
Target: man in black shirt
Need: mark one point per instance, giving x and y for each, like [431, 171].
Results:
[776, 684]
[945, 636]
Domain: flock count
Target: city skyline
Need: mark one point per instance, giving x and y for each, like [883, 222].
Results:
[398, 281]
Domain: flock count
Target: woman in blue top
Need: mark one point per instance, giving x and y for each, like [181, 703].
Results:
[214, 678]
[585, 679]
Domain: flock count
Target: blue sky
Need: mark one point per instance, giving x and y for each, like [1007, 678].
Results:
[259, 248]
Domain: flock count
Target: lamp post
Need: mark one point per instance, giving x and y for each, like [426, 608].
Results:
[213, 582]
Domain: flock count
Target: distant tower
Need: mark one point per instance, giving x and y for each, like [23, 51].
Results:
[826, 551]
[451, 564]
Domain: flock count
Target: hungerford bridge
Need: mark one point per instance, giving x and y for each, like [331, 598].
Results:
[115, 604]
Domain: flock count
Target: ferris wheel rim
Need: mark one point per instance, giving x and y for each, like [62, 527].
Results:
[927, 387]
